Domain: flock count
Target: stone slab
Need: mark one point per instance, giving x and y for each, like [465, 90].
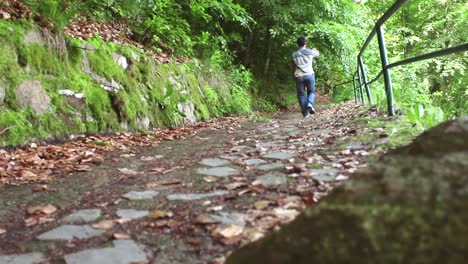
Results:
[123, 252]
[144, 195]
[218, 171]
[84, 216]
[214, 162]
[68, 232]
[271, 179]
[325, 174]
[29, 258]
[279, 155]
[194, 196]
[270, 166]
[253, 162]
[131, 214]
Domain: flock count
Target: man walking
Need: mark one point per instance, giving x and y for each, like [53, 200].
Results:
[304, 76]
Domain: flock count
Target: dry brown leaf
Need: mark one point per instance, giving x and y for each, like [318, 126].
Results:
[169, 223]
[42, 209]
[267, 223]
[229, 241]
[172, 169]
[235, 185]
[163, 182]
[194, 241]
[210, 179]
[2, 231]
[252, 235]
[228, 231]
[28, 175]
[260, 205]
[127, 171]
[40, 187]
[104, 224]
[31, 221]
[120, 236]
[158, 170]
[158, 214]
[287, 214]
[205, 220]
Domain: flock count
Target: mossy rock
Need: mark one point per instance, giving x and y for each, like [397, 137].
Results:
[405, 208]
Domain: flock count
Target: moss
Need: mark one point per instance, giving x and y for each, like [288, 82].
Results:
[99, 105]
[43, 60]
[17, 129]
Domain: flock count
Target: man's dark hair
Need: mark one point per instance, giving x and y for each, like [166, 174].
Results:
[301, 41]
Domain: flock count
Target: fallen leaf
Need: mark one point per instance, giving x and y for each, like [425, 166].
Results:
[158, 169]
[104, 224]
[286, 214]
[235, 185]
[43, 209]
[2, 231]
[127, 171]
[194, 241]
[169, 223]
[163, 182]
[119, 236]
[205, 220]
[268, 223]
[158, 214]
[219, 260]
[31, 221]
[40, 188]
[252, 235]
[228, 231]
[229, 241]
[172, 169]
[341, 177]
[210, 179]
[28, 175]
[260, 205]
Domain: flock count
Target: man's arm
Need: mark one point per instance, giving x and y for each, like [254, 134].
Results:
[315, 52]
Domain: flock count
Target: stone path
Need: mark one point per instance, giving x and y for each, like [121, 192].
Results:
[209, 194]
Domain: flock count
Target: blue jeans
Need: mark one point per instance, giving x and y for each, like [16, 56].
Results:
[303, 83]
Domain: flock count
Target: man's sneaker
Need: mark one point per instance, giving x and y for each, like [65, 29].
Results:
[311, 109]
[307, 115]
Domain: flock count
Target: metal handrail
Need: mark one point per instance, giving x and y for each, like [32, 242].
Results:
[386, 66]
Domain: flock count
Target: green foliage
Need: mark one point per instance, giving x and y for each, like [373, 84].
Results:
[433, 90]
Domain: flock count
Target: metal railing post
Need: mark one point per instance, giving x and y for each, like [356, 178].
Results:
[386, 71]
[355, 95]
[364, 77]
[360, 88]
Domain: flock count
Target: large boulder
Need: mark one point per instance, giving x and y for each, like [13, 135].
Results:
[31, 94]
[409, 207]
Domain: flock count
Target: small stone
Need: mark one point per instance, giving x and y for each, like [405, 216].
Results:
[214, 162]
[279, 155]
[131, 214]
[144, 195]
[194, 196]
[218, 171]
[84, 216]
[29, 258]
[68, 232]
[123, 252]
